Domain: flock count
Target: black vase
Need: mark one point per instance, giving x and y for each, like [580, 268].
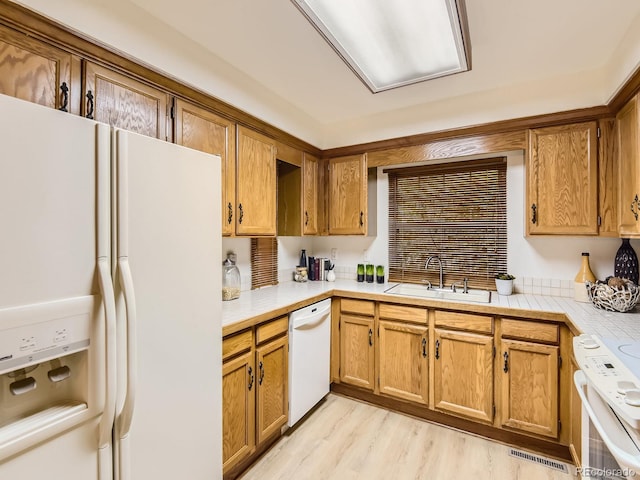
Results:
[626, 262]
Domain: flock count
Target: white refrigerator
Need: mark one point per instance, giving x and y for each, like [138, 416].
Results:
[110, 331]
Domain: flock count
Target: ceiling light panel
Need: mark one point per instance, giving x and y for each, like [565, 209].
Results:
[389, 44]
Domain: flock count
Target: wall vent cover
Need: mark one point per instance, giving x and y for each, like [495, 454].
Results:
[547, 462]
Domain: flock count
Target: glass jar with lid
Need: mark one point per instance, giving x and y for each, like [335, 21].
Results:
[230, 278]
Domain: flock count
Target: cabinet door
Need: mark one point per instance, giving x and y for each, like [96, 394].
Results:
[629, 168]
[463, 374]
[36, 72]
[256, 184]
[562, 180]
[238, 409]
[123, 102]
[203, 130]
[348, 195]
[403, 361]
[356, 351]
[272, 393]
[310, 194]
[530, 387]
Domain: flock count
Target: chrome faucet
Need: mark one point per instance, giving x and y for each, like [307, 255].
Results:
[426, 267]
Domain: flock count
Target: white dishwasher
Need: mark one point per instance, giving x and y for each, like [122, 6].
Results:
[309, 358]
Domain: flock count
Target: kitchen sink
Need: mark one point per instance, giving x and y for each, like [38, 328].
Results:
[412, 290]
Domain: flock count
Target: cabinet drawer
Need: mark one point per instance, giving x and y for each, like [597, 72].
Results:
[402, 312]
[363, 307]
[237, 343]
[464, 321]
[271, 329]
[522, 329]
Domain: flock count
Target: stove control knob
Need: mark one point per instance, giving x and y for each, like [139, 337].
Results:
[632, 397]
[624, 387]
[590, 343]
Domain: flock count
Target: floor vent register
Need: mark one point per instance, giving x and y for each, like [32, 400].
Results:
[547, 462]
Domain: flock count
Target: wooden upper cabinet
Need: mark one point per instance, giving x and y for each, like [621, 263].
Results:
[608, 178]
[37, 72]
[123, 102]
[255, 184]
[629, 169]
[348, 195]
[562, 178]
[310, 165]
[463, 374]
[403, 361]
[203, 130]
[530, 387]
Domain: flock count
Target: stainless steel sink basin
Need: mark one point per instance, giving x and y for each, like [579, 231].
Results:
[412, 290]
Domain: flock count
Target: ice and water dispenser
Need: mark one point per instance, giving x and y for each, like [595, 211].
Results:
[49, 370]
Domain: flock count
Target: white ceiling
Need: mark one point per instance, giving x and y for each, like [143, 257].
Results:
[528, 57]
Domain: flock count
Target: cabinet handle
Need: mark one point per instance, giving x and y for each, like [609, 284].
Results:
[424, 348]
[89, 114]
[534, 213]
[261, 367]
[506, 362]
[370, 338]
[637, 204]
[306, 218]
[361, 219]
[230, 216]
[250, 378]
[65, 97]
[241, 214]
[437, 349]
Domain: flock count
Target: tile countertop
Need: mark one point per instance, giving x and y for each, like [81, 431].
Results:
[266, 303]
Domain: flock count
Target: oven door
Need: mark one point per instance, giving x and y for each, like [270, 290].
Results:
[610, 447]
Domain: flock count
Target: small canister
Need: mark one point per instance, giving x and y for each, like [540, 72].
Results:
[230, 278]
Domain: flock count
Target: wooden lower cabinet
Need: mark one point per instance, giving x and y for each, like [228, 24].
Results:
[255, 400]
[272, 394]
[403, 361]
[530, 387]
[463, 374]
[238, 410]
[356, 351]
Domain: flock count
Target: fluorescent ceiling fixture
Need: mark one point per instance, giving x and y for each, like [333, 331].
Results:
[391, 43]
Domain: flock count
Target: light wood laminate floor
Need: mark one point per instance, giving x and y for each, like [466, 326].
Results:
[346, 439]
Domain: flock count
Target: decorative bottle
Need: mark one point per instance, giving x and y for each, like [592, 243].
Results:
[230, 278]
[626, 265]
[303, 258]
[584, 274]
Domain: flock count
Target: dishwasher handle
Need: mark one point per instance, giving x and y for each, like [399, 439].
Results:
[312, 320]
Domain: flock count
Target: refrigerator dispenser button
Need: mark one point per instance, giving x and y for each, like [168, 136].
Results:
[59, 374]
[20, 387]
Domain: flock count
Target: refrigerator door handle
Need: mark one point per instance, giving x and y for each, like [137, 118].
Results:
[126, 414]
[105, 464]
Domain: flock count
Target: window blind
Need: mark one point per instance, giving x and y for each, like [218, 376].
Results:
[264, 262]
[457, 211]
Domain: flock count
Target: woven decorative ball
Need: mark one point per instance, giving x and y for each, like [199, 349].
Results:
[612, 298]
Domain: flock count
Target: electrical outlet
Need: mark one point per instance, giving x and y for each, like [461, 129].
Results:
[334, 254]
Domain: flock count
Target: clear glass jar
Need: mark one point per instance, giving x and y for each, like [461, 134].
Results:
[230, 278]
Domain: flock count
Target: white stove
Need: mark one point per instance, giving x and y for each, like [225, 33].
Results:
[608, 383]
